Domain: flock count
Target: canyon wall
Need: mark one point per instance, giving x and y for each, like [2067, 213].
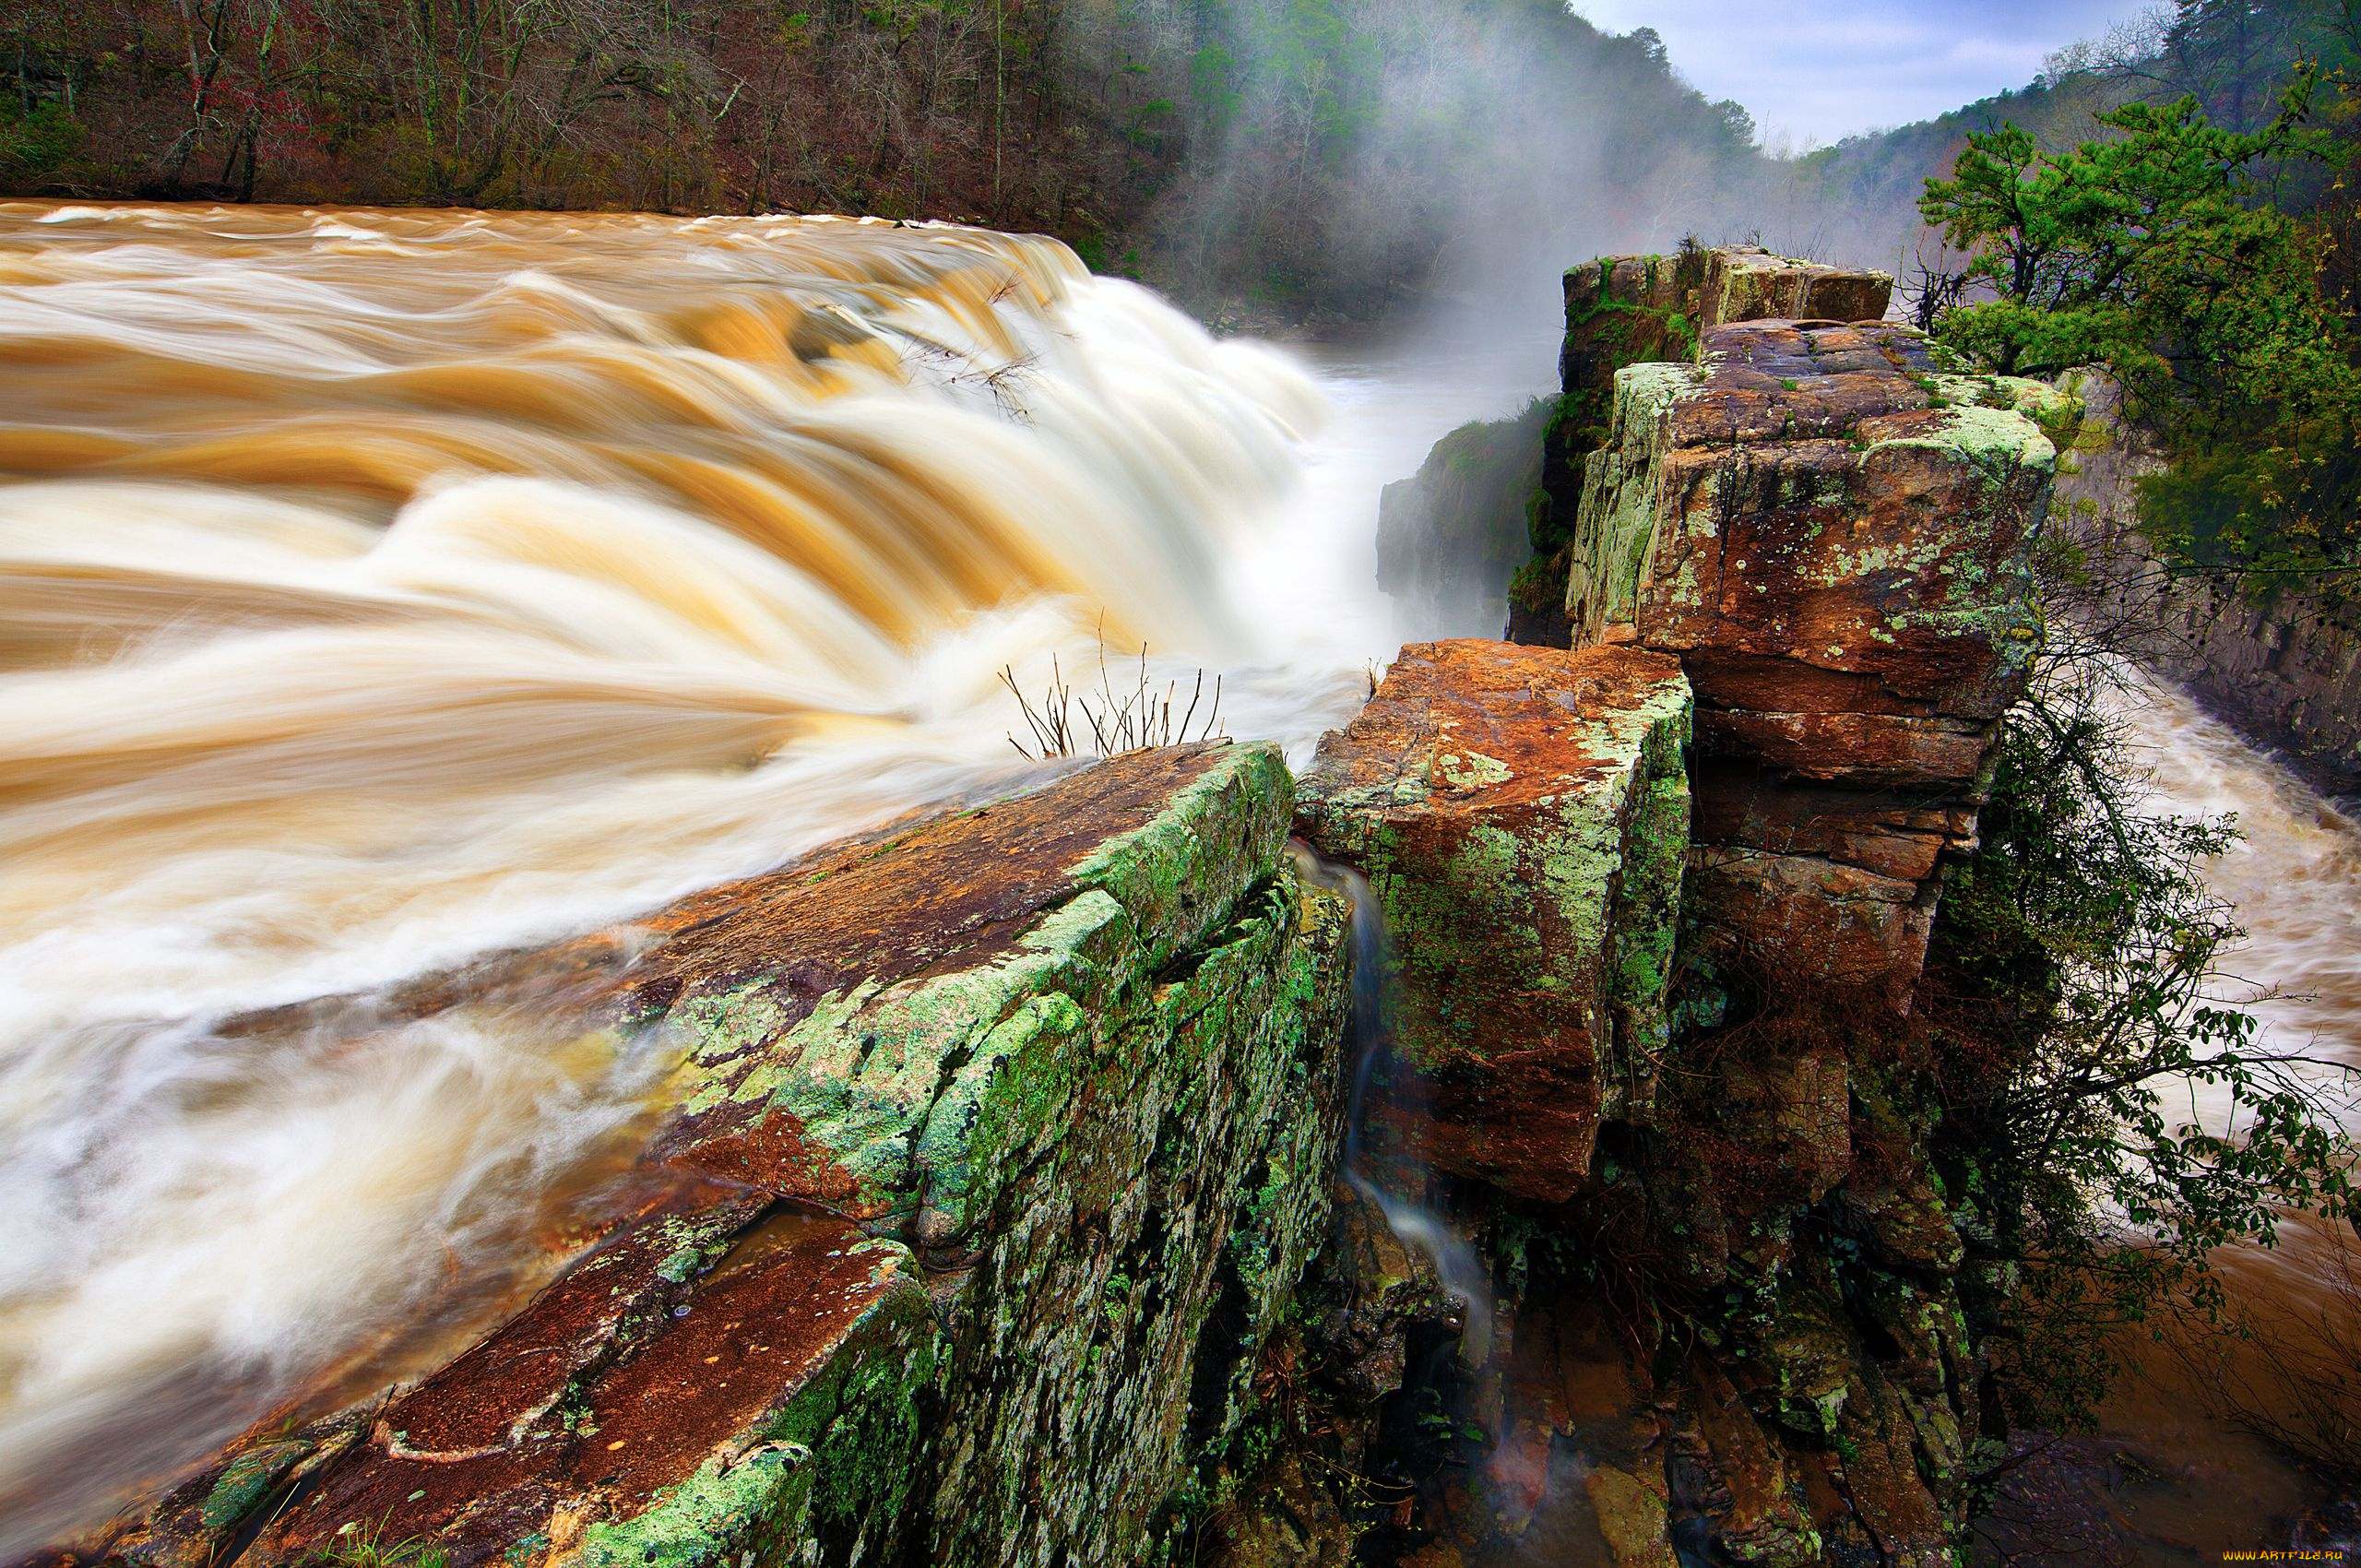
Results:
[1521, 814]
[2284, 667]
[1836, 539]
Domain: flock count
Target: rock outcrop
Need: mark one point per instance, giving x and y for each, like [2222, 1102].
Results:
[1488, 520]
[1729, 1325]
[1628, 310]
[1521, 814]
[1451, 535]
[997, 1145]
[1833, 535]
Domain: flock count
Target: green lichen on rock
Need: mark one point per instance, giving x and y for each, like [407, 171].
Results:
[1645, 922]
[1000, 1147]
[1825, 496]
[1195, 1170]
[914, 1087]
[1179, 875]
[247, 1480]
[1620, 310]
[1623, 312]
[1142, 1089]
[830, 1464]
[1520, 813]
[1613, 543]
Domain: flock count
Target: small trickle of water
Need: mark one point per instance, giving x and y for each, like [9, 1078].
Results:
[1425, 1231]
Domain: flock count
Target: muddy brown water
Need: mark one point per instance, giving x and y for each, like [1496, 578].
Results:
[381, 589]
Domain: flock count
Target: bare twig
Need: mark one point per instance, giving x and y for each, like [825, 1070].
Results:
[1133, 720]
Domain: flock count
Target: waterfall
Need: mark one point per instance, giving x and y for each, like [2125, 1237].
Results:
[1458, 1266]
[383, 589]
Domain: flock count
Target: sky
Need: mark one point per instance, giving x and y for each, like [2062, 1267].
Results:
[1819, 70]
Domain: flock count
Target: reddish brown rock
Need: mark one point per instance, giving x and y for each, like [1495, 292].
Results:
[1748, 284]
[1521, 813]
[1831, 535]
[975, 1122]
[1630, 310]
[1624, 310]
[1834, 534]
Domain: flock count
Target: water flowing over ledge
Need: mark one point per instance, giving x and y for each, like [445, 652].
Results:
[378, 590]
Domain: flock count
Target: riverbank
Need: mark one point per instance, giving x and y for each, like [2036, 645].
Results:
[2281, 662]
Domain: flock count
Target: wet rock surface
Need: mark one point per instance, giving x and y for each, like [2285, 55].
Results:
[998, 1143]
[1834, 534]
[1728, 1322]
[992, 1211]
[1520, 813]
[1501, 497]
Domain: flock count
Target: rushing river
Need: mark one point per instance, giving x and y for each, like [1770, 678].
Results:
[2294, 883]
[382, 589]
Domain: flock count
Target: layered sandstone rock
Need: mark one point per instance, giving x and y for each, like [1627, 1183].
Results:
[1629, 310]
[1501, 497]
[1521, 814]
[1517, 811]
[1624, 310]
[996, 1145]
[1833, 535]
[1748, 284]
[1729, 1325]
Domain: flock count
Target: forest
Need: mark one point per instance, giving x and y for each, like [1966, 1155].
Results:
[1271, 161]
[1302, 158]
[1294, 154]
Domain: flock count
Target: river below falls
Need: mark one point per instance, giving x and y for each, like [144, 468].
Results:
[381, 589]
[2172, 1475]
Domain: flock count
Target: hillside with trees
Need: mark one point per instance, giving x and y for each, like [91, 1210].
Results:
[1292, 153]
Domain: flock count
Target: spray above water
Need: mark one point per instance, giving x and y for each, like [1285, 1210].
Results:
[378, 590]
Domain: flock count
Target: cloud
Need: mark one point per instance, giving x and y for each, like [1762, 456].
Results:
[1832, 68]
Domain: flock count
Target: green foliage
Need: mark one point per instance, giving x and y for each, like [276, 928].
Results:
[2100, 253]
[1323, 156]
[2156, 252]
[362, 1545]
[34, 147]
[2073, 1009]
